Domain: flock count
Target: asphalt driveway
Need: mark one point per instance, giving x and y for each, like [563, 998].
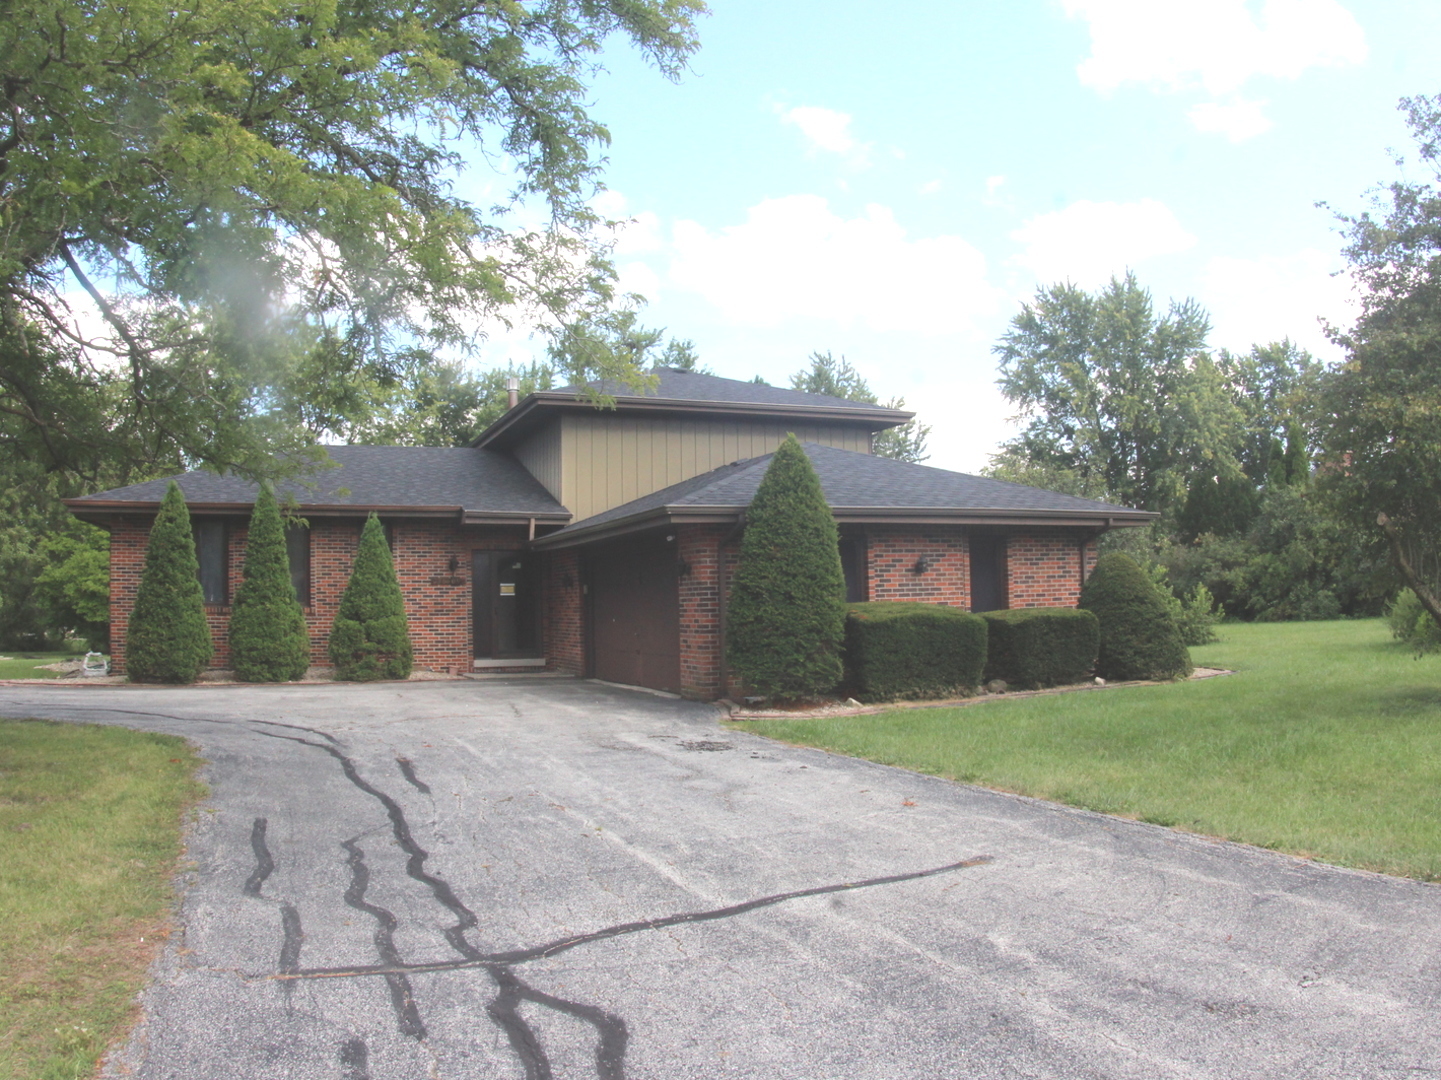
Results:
[545, 878]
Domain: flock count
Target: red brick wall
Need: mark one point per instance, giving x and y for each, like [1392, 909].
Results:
[564, 612]
[891, 556]
[437, 602]
[1045, 567]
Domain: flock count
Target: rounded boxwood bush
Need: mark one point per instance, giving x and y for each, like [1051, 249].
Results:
[1138, 634]
[371, 637]
[168, 640]
[788, 604]
[268, 639]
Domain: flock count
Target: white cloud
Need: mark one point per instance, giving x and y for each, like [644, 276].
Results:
[826, 130]
[930, 187]
[1254, 301]
[795, 258]
[1089, 242]
[1237, 120]
[1217, 44]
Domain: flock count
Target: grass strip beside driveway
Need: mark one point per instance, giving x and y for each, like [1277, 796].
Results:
[1326, 743]
[32, 665]
[90, 821]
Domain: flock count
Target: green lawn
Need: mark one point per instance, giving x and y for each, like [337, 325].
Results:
[89, 836]
[27, 665]
[1326, 743]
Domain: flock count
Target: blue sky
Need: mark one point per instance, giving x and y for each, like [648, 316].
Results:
[891, 182]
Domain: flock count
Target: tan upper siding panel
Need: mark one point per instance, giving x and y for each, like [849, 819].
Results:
[607, 460]
[540, 454]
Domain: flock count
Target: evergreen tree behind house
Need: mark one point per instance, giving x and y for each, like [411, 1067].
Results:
[787, 605]
[371, 637]
[268, 638]
[169, 639]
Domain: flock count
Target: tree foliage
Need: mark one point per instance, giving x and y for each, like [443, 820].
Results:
[1383, 437]
[169, 640]
[73, 588]
[837, 378]
[786, 618]
[1139, 638]
[370, 638]
[1129, 401]
[256, 201]
[268, 638]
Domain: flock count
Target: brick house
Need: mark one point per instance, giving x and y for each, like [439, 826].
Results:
[601, 542]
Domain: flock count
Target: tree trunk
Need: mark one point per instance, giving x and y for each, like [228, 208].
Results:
[1408, 572]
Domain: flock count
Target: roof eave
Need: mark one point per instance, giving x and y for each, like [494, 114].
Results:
[877, 419]
[850, 515]
[88, 509]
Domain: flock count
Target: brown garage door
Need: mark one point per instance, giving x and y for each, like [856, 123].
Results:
[635, 613]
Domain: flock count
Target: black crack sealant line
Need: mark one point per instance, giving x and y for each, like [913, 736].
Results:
[289, 916]
[513, 991]
[503, 1011]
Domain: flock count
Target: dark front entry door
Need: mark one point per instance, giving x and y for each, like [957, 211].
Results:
[635, 614]
[506, 605]
[989, 572]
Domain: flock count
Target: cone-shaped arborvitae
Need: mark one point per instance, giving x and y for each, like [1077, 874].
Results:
[168, 639]
[1139, 636]
[268, 638]
[371, 637]
[787, 606]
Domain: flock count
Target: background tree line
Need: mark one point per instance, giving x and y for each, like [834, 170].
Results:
[1285, 489]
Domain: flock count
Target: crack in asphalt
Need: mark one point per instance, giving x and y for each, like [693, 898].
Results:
[407, 770]
[503, 1011]
[402, 1000]
[554, 948]
[291, 933]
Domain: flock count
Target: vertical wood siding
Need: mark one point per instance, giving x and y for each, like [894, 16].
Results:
[540, 454]
[607, 460]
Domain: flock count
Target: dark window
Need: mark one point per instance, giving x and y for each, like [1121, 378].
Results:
[297, 548]
[988, 572]
[853, 565]
[212, 551]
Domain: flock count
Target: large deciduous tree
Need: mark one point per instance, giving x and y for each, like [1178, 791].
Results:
[212, 211]
[1383, 438]
[1128, 401]
[836, 377]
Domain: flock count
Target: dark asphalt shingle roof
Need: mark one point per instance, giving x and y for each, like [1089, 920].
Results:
[485, 481]
[691, 386]
[858, 481]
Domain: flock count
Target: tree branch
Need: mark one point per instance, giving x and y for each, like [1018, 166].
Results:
[1408, 572]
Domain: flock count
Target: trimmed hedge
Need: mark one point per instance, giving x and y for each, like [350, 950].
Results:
[900, 649]
[1035, 647]
[1139, 636]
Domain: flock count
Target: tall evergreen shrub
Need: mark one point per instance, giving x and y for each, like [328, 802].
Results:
[1139, 638]
[371, 637]
[169, 640]
[268, 638]
[786, 618]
